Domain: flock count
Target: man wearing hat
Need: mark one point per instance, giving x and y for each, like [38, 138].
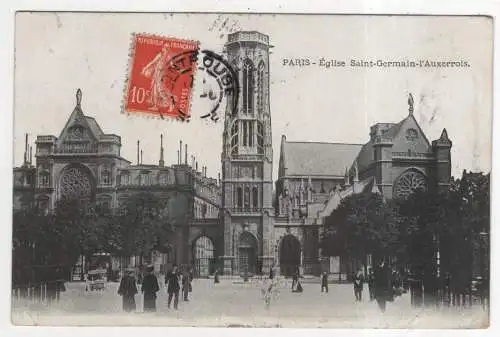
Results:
[173, 287]
[150, 287]
[128, 290]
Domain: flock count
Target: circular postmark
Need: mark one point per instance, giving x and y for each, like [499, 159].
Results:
[220, 71]
[178, 79]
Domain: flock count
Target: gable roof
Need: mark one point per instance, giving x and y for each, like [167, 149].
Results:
[318, 159]
[388, 131]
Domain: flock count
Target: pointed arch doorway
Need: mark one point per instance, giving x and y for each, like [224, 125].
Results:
[247, 253]
[289, 251]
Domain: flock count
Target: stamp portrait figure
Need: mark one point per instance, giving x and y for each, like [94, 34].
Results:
[160, 97]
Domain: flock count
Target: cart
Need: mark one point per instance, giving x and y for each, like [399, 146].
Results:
[96, 279]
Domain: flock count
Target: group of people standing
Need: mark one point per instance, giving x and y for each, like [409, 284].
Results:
[150, 287]
[384, 284]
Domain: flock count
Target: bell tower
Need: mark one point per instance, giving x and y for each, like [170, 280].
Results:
[247, 159]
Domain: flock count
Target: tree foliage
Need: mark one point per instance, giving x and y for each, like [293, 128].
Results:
[362, 224]
[413, 229]
[141, 226]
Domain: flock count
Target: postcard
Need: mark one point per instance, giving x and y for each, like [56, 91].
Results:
[232, 170]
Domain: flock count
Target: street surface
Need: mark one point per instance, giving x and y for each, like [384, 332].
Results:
[234, 303]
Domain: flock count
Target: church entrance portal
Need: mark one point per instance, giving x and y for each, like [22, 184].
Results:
[289, 255]
[247, 254]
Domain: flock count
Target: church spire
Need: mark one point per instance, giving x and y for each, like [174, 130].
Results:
[162, 162]
[356, 174]
[138, 151]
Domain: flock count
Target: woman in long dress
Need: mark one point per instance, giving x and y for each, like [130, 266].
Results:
[149, 288]
[127, 291]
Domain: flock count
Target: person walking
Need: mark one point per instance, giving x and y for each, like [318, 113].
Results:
[370, 280]
[127, 290]
[324, 282]
[296, 286]
[216, 276]
[358, 281]
[173, 287]
[149, 288]
[383, 285]
[186, 285]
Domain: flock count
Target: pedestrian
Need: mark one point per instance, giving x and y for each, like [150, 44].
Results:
[370, 280]
[358, 281]
[186, 285]
[296, 286]
[173, 287]
[60, 287]
[324, 282]
[149, 288]
[216, 276]
[127, 290]
[383, 285]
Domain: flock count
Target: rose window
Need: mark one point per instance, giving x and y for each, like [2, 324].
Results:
[408, 183]
[75, 184]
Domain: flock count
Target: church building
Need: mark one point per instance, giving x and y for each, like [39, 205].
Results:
[243, 223]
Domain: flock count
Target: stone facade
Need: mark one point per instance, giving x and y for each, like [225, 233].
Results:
[85, 163]
[239, 219]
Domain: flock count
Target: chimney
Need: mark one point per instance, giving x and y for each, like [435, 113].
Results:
[218, 178]
[180, 152]
[31, 155]
[196, 167]
[178, 157]
[186, 155]
[141, 157]
[162, 162]
[138, 152]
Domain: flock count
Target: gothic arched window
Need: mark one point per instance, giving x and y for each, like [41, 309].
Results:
[247, 197]
[250, 133]
[260, 138]
[248, 86]
[245, 133]
[255, 198]
[106, 177]
[409, 182]
[234, 137]
[239, 197]
[44, 178]
[260, 87]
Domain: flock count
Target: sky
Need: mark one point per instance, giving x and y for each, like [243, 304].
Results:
[55, 54]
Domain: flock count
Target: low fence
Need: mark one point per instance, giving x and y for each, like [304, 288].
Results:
[41, 293]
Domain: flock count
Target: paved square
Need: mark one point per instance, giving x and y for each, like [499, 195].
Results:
[234, 303]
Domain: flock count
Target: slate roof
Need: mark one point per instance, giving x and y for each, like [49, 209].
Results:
[365, 156]
[96, 129]
[319, 159]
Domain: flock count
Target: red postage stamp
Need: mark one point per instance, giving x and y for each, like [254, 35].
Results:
[161, 76]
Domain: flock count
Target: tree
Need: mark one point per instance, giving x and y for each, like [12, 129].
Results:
[362, 224]
[141, 226]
